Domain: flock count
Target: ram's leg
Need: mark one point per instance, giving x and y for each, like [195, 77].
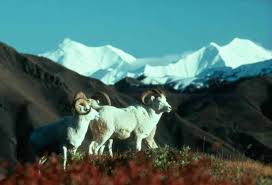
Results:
[91, 147]
[102, 141]
[151, 143]
[96, 150]
[74, 150]
[43, 159]
[101, 150]
[64, 148]
[150, 139]
[139, 143]
[110, 147]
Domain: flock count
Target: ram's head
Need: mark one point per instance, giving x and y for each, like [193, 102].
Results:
[83, 106]
[98, 99]
[156, 99]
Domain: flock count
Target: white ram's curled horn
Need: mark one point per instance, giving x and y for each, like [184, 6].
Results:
[81, 100]
[160, 92]
[148, 93]
[101, 95]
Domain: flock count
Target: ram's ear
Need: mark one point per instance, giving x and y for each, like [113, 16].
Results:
[152, 98]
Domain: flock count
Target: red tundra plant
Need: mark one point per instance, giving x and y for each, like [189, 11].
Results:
[128, 169]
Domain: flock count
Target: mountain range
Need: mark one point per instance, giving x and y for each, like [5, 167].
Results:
[233, 119]
[239, 58]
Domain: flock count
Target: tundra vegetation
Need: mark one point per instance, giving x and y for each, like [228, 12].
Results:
[153, 166]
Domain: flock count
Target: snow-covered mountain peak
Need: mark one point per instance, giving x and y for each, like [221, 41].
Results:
[241, 42]
[214, 45]
[87, 60]
[110, 64]
[241, 51]
[69, 44]
[125, 56]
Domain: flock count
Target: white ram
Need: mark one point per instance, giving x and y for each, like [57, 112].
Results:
[67, 132]
[121, 122]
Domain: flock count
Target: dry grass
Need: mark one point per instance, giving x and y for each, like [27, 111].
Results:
[255, 168]
[237, 169]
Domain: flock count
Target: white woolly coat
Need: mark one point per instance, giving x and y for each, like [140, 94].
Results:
[122, 121]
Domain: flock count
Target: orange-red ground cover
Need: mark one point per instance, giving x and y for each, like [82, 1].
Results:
[161, 167]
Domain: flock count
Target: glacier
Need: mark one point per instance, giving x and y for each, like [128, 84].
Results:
[237, 59]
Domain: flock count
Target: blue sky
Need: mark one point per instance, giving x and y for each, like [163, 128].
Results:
[144, 28]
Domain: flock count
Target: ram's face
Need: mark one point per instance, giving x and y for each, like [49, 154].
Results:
[93, 103]
[93, 106]
[160, 104]
[83, 107]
